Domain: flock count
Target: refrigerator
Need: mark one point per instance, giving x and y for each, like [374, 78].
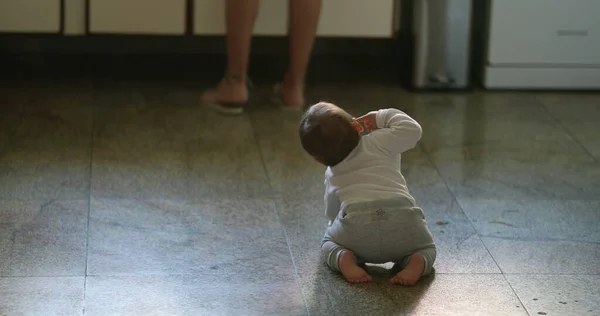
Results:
[434, 44]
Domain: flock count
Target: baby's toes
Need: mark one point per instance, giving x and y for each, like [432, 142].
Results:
[411, 282]
[355, 280]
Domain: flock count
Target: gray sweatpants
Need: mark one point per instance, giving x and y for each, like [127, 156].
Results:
[379, 232]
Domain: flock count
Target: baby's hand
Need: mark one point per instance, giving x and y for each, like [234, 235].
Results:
[365, 124]
[360, 128]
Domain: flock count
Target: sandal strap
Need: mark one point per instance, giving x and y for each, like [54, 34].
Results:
[239, 76]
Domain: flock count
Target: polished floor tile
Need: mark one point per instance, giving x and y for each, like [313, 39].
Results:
[126, 197]
[459, 248]
[544, 257]
[174, 152]
[60, 296]
[228, 236]
[571, 107]
[48, 156]
[218, 294]
[43, 238]
[485, 148]
[518, 174]
[459, 294]
[561, 220]
[568, 295]
[484, 119]
[586, 133]
[329, 294]
[579, 115]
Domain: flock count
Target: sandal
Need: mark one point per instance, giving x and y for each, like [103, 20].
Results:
[228, 108]
[277, 98]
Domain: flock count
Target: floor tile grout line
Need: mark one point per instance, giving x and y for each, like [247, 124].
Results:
[437, 170]
[475, 230]
[515, 293]
[558, 240]
[502, 273]
[89, 206]
[277, 207]
[565, 129]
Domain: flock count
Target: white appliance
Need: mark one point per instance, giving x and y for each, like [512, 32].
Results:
[542, 44]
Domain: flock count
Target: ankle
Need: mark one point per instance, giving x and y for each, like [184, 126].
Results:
[235, 79]
[346, 257]
[293, 82]
[417, 257]
[416, 262]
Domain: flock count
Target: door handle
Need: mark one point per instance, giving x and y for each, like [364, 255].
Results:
[572, 32]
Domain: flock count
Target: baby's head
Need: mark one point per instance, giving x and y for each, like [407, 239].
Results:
[327, 133]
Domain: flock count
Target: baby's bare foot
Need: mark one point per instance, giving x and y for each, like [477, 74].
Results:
[411, 273]
[352, 272]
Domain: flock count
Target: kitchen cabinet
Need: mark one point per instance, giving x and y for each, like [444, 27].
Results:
[30, 16]
[74, 17]
[545, 31]
[209, 18]
[357, 18]
[543, 44]
[339, 18]
[147, 17]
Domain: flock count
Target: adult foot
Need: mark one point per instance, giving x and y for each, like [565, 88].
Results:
[351, 271]
[229, 96]
[293, 96]
[411, 273]
[290, 95]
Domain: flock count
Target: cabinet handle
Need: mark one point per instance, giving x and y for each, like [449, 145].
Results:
[572, 32]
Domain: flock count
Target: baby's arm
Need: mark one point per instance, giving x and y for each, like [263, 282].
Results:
[394, 131]
[332, 203]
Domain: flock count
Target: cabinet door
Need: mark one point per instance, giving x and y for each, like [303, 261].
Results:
[357, 18]
[158, 17]
[30, 16]
[209, 17]
[544, 32]
[342, 18]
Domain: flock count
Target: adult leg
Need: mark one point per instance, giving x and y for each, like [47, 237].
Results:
[232, 93]
[303, 22]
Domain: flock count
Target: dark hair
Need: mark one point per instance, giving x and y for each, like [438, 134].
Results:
[327, 133]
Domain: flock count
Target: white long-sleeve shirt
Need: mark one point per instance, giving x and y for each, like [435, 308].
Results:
[372, 170]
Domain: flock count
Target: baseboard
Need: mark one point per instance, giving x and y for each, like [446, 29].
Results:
[542, 78]
[134, 45]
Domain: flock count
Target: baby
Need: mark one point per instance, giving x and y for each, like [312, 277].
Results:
[373, 217]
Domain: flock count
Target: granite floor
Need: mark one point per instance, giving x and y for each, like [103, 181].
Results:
[125, 197]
